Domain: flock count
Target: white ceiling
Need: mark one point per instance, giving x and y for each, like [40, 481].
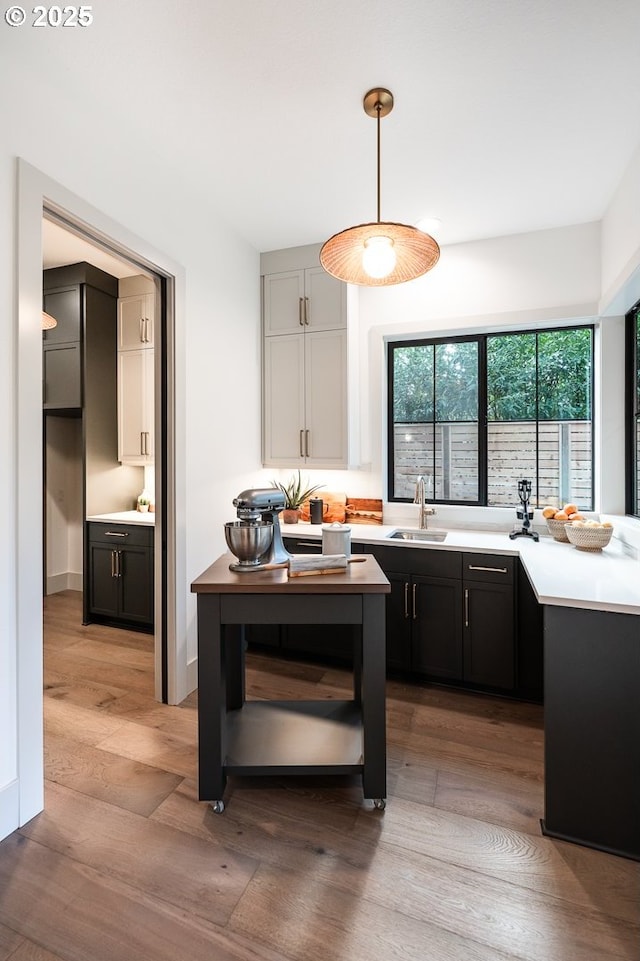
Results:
[510, 115]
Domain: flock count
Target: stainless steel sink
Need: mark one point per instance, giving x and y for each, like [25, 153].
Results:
[433, 536]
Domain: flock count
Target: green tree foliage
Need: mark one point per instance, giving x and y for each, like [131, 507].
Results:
[545, 376]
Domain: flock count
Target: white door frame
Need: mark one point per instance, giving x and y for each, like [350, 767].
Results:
[36, 192]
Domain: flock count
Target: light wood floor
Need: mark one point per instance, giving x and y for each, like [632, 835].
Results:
[125, 863]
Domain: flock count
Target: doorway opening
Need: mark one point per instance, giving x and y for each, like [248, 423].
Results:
[87, 473]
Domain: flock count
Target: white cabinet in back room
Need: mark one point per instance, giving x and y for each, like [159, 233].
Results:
[136, 406]
[136, 321]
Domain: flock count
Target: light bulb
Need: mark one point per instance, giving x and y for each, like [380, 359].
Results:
[378, 257]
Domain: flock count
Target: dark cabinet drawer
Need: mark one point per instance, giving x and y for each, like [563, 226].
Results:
[429, 562]
[492, 568]
[121, 535]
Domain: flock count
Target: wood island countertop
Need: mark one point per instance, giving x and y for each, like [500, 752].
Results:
[366, 578]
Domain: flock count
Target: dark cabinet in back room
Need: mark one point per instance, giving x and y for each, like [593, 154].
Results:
[120, 589]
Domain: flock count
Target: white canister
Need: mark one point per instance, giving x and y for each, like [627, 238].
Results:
[336, 539]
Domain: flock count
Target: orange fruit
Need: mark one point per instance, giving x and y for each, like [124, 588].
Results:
[561, 516]
[548, 511]
[570, 509]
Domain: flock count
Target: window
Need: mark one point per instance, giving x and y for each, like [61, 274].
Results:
[474, 415]
[633, 411]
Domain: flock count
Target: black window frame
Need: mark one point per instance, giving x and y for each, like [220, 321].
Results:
[481, 339]
[632, 412]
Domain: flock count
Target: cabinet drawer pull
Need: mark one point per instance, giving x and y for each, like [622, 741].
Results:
[301, 443]
[306, 311]
[301, 311]
[415, 608]
[466, 607]
[116, 533]
[494, 570]
[314, 544]
[406, 598]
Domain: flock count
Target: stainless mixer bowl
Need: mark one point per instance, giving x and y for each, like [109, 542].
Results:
[248, 541]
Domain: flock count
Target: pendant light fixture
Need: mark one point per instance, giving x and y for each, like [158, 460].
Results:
[48, 322]
[381, 253]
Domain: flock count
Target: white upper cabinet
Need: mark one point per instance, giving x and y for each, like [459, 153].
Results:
[136, 321]
[306, 417]
[302, 299]
[136, 406]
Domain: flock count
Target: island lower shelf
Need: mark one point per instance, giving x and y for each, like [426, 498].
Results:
[294, 737]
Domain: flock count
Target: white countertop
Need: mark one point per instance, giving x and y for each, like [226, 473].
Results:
[126, 517]
[607, 580]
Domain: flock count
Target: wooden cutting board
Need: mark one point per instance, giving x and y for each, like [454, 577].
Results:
[334, 507]
[363, 510]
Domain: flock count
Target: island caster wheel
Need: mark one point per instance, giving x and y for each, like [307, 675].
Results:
[217, 807]
[379, 803]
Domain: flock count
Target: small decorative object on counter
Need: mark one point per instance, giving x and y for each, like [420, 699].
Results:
[143, 502]
[336, 539]
[558, 518]
[524, 512]
[296, 492]
[589, 535]
[316, 510]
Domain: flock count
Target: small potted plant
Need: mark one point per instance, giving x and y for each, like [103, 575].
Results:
[295, 494]
[143, 502]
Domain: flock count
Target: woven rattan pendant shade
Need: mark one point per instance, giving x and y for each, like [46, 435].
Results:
[416, 252]
[48, 322]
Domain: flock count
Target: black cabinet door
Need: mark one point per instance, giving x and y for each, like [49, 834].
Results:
[103, 584]
[63, 304]
[398, 622]
[62, 377]
[437, 626]
[135, 578]
[489, 636]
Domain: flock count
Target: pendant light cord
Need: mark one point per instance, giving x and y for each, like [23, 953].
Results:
[378, 109]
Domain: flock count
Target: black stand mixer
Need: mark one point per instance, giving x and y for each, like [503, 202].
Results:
[256, 538]
[523, 513]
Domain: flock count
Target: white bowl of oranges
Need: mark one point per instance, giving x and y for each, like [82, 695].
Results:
[589, 535]
[558, 518]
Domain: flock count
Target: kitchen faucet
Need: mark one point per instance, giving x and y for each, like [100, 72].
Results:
[424, 511]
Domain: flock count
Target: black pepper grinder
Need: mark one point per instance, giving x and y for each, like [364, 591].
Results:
[316, 510]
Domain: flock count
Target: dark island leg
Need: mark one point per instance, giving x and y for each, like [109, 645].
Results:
[374, 773]
[212, 700]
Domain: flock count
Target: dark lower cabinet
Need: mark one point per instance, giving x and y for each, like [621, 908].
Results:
[489, 635]
[456, 617]
[120, 574]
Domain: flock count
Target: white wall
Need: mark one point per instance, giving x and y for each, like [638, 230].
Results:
[621, 243]
[99, 157]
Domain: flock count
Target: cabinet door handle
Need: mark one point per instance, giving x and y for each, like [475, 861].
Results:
[466, 607]
[116, 533]
[119, 564]
[142, 330]
[146, 330]
[415, 606]
[113, 563]
[142, 442]
[306, 444]
[406, 598]
[494, 570]
[301, 443]
[306, 311]
[301, 311]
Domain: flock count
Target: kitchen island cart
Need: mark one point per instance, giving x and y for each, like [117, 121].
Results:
[237, 736]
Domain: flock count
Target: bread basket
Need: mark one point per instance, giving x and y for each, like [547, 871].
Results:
[557, 529]
[589, 538]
